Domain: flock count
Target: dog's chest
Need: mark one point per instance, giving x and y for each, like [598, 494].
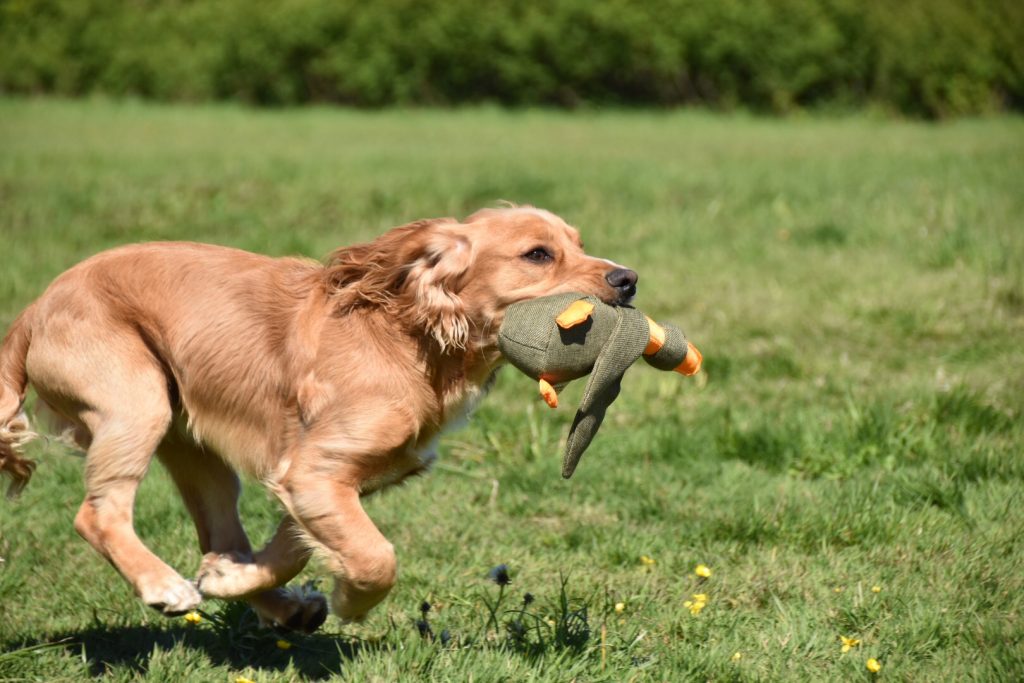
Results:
[417, 459]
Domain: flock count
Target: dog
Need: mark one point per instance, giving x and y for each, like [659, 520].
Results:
[326, 381]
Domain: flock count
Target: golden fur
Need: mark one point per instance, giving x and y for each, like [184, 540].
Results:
[325, 381]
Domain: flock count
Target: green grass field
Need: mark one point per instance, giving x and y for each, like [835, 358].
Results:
[856, 286]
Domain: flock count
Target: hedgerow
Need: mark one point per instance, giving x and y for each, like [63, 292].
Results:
[919, 57]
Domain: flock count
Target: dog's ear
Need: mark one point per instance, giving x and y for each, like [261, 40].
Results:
[433, 283]
[414, 272]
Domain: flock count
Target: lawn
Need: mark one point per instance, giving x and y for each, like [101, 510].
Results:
[849, 464]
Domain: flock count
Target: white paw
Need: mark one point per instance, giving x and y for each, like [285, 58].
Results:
[172, 596]
[228, 575]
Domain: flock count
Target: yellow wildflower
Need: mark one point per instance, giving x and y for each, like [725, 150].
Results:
[876, 589]
[737, 656]
[849, 643]
[838, 589]
[699, 602]
[620, 607]
[873, 665]
[703, 571]
[243, 679]
[193, 617]
[284, 644]
[647, 561]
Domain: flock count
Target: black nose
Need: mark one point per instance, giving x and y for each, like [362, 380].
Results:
[624, 280]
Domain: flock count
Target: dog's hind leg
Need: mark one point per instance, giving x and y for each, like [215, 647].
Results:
[210, 490]
[127, 413]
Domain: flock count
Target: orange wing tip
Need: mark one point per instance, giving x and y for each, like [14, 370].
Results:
[576, 313]
[657, 338]
[690, 364]
[548, 393]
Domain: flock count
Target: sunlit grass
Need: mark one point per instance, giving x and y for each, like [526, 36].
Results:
[855, 286]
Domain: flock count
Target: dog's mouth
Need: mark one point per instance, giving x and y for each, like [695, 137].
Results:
[619, 297]
[624, 299]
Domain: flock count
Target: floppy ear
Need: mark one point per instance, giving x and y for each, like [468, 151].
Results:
[413, 272]
[432, 285]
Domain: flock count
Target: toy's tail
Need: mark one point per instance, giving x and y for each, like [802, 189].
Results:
[14, 428]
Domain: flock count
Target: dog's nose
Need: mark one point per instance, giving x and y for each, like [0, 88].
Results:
[624, 280]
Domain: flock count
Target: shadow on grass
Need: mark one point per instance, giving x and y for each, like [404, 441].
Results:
[232, 637]
[314, 657]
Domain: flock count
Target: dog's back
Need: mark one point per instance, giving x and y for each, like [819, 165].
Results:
[216, 323]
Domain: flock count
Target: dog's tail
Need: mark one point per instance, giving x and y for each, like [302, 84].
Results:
[14, 427]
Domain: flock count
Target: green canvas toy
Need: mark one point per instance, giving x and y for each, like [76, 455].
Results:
[559, 338]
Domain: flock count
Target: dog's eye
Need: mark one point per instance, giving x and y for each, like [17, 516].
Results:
[538, 255]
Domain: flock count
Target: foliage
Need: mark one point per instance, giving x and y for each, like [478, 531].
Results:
[922, 57]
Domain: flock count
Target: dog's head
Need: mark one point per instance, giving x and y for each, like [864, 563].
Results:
[451, 279]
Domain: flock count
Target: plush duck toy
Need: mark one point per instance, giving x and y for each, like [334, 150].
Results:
[559, 338]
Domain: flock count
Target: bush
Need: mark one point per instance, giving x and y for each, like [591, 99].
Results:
[921, 57]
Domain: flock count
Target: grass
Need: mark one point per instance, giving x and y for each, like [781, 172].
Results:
[856, 286]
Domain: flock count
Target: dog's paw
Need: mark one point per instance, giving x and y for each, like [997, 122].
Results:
[296, 609]
[171, 597]
[228, 575]
[350, 604]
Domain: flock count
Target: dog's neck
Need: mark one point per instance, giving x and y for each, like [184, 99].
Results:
[460, 377]
[457, 377]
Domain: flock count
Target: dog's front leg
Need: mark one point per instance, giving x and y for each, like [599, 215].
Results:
[361, 559]
[234, 575]
[260, 577]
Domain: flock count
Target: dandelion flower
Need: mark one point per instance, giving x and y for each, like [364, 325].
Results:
[737, 656]
[620, 607]
[283, 644]
[243, 679]
[838, 589]
[873, 665]
[647, 561]
[695, 607]
[193, 617]
[876, 589]
[699, 602]
[849, 643]
[703, 571]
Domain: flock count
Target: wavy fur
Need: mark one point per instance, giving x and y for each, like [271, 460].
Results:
[327, 382]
